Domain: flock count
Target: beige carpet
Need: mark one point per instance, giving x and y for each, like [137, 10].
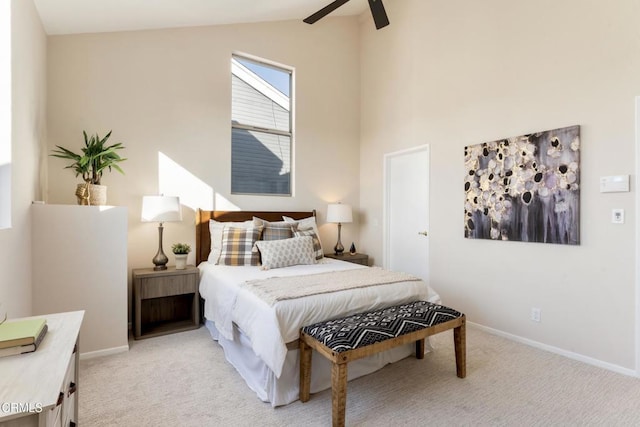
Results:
[184, 380]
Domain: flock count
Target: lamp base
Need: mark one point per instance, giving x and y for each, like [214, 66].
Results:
[160, 260]
[338, 249]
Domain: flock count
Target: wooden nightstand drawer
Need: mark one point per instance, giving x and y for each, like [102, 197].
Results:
[156, 287]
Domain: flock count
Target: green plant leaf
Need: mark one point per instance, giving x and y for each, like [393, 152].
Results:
[95, 157]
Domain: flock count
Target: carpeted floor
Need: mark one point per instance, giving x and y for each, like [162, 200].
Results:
[184, 380]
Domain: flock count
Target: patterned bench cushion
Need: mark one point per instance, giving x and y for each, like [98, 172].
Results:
[361, 330]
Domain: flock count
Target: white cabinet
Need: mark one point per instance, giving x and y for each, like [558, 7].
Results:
[41, 388]
[80, 263]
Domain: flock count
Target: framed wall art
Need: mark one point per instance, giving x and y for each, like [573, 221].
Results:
[525, 188]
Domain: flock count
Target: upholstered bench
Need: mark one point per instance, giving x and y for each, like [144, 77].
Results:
[354, 337]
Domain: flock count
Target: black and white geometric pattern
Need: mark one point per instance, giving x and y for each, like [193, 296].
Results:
[368, 328]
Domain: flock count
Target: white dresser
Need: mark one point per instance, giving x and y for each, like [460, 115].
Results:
[41, 388]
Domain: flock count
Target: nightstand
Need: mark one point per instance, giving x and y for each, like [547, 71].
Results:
[356, 258]
[166, 301]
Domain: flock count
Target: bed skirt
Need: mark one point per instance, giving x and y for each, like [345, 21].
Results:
[284, 390]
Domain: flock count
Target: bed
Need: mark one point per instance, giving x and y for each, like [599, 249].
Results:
[259, 337]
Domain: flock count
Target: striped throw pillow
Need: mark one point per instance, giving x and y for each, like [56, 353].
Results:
[238, 246]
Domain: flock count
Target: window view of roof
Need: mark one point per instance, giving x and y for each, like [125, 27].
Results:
[261, 128]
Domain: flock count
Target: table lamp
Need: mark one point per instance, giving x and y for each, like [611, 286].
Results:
[337, 212]
[161, 209]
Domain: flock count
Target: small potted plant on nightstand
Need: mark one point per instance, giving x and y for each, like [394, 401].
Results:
[181, 251]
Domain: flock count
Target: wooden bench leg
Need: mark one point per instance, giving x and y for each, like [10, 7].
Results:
[460, 343]
[420, 349]
[338, 393]
[305, 371]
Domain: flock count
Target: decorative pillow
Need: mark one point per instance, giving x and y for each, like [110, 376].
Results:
[215, 231]
[238, 246]
[309, 222]
[273, 230]
[317, 247]
[286, 252]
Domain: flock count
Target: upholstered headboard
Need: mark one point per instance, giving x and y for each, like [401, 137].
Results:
[203, 238]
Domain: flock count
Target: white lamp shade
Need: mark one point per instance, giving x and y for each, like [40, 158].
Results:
[161, 209]
[337, 212]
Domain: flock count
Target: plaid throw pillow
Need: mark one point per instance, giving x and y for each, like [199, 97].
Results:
[215, 231]
[317, 247]
[238, 246]
[273, 230]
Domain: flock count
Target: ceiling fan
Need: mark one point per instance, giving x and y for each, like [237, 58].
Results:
[377, 10]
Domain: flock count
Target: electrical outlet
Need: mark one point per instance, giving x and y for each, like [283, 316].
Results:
[617, 216]
[535, 314]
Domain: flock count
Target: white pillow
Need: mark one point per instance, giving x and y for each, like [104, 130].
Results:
[286, 252]
[215, 231]
[309, 222]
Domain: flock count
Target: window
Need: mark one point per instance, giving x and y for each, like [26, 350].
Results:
[5, 114]
[261, 127]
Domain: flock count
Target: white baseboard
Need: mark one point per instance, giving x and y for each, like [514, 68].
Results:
[556, 350]
[105, 352]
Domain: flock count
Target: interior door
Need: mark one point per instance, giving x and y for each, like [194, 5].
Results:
[406, 211]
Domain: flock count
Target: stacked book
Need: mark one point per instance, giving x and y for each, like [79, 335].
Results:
[21, 336]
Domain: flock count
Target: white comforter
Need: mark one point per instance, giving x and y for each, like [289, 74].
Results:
[270, 328]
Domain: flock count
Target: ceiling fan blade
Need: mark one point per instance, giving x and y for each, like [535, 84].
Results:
[379, 15]
[325, 11]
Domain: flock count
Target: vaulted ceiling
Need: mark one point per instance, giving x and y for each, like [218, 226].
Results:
[90, 16]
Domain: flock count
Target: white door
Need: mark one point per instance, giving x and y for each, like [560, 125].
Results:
[406, 211]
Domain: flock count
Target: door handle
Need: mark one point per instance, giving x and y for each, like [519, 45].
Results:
[422, 233]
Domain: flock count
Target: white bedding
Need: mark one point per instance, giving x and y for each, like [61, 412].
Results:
[270, 328]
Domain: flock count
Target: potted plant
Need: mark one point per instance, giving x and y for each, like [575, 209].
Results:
[96, 157]
[181, 251]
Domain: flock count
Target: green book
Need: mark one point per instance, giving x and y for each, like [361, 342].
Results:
[20, 332]
[29, 348]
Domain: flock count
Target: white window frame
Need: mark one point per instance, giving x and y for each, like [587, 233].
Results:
[290, 133]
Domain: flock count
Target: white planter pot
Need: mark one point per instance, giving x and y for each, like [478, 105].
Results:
[181, 261]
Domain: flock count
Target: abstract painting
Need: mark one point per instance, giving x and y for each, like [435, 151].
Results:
[525, 188]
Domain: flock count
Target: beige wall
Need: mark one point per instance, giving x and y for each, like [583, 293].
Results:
[448, 74]
[28, 130]
[166, 95]
[456, 73]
